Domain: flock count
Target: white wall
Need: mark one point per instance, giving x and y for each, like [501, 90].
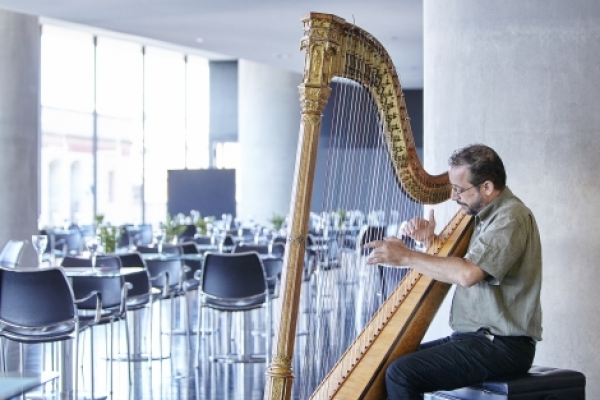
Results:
[269, 122]
[524, 78]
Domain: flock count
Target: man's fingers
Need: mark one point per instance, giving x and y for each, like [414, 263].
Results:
[392, 239]
[373, 244]
[431, 217]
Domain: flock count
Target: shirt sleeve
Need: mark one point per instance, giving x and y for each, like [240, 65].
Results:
[498, 247]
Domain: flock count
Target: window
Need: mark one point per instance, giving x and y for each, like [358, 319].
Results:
[99, 154]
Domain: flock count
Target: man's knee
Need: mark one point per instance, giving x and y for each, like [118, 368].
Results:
[399, 371]
[400, 380]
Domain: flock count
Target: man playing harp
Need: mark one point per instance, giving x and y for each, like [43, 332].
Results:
[496, 312]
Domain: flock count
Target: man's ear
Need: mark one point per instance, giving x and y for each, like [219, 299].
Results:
[488, 187]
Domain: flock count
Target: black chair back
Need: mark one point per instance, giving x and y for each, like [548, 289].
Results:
[139, 294]
[202, 239]
[233, 281]
[188, 233]
[273, 267]
[159, 270]
[189, 248]
[35, 297]
[129, 260]
[11, 253]
[76, 262]
[108, 286]
[108, 262]
[228, 241]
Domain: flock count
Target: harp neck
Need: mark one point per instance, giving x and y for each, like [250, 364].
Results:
[335, 48]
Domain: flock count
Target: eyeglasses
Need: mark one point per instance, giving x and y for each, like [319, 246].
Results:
[458, 191]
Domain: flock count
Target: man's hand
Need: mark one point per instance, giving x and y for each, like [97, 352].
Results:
[389, 251]
[420, 229]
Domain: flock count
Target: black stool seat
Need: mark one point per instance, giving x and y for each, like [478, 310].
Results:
[540, 383]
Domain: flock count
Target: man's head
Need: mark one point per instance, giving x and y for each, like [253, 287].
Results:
[477, 176]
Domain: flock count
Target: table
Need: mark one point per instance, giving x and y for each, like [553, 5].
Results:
[203, 248]
[15, 383]
[170, 256]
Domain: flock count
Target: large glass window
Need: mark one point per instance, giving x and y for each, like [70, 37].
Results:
[116, 116]
[67, 95]
[119, 83]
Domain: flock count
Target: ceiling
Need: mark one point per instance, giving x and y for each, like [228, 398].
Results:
[264, 31]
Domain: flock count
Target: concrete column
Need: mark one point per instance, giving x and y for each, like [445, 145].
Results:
[524, 78]
[269, 120]
[19, 127]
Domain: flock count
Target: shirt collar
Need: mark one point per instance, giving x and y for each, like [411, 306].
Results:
[494, 205]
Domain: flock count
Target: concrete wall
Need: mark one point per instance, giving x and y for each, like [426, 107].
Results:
[269, 122]
[19, 128]
[524, 78]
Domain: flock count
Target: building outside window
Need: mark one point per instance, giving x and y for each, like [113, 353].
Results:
[116, 115]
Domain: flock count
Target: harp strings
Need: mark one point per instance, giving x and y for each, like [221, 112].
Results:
[361, 195]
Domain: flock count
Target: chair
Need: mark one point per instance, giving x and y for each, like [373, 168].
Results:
[194, 265]
[139, 298]
[275, 248]
[166, 249]
[103, 262]
[230, 284]
[37, 306]
[72, 239]
[144, 235]
[273, 264]
[11, 253]
[168, 275]
[188, 233]
[202, 239]
[112, 292]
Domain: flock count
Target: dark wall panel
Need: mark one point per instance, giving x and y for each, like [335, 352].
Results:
[210, 191]
[223, 101]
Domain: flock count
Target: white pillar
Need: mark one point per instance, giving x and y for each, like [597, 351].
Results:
[524, 78]
[269, 121]
[19, 127]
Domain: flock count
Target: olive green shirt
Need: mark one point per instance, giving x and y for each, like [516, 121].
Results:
[505, 245]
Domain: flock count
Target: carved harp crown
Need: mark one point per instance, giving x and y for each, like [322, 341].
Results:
[335, 48]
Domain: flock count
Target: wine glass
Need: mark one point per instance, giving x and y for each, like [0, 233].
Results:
[270, 235]
[39, 243]
[91, 243]
[159, 235]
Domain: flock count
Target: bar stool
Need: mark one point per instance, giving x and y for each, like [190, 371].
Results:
[37, 306]
[232, 284]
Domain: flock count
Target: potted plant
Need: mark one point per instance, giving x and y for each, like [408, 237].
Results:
[108, 235]
[277, 220]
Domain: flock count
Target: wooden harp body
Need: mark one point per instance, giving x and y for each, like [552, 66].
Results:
[335, 48]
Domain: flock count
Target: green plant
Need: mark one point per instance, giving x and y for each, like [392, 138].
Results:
[172, 228]
[98, 219]
[109, 237]
[202, 223]
[340, 216]
[277, 221]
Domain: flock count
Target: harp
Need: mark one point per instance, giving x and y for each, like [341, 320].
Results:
[339, 50]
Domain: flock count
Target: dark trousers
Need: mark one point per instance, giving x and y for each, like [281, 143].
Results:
[456, 361]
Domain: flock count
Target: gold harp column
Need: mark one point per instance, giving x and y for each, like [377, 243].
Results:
[321, 41]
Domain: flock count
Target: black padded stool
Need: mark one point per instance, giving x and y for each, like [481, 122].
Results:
[540, 383]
